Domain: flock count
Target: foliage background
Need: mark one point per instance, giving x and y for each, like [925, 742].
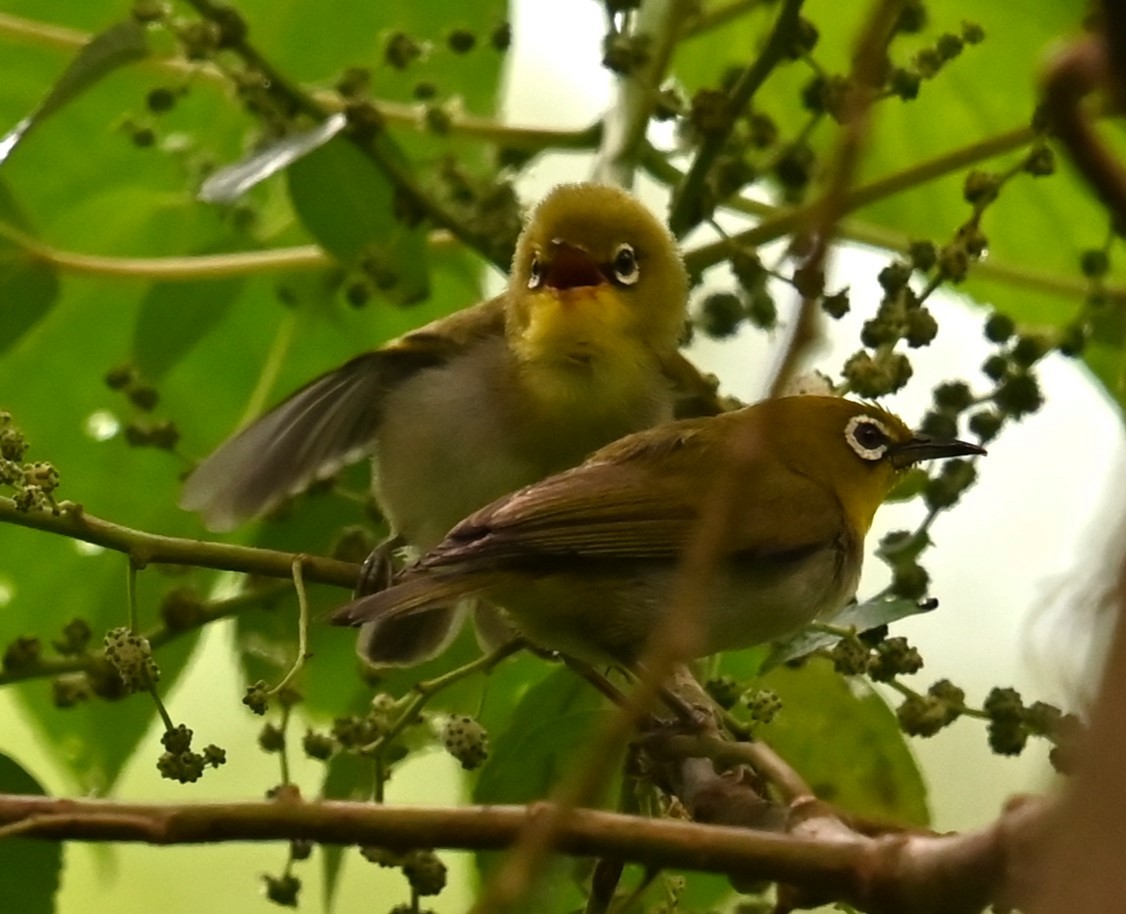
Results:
[81, 184]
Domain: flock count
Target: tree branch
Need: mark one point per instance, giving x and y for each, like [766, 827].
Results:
[152, 548]
[915, 873]
[158, 636]
[658, 22]
[785, 221]
[685, 211]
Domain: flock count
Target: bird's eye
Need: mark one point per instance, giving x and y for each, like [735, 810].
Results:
[625, 266]
[867, 436]
[535, 273]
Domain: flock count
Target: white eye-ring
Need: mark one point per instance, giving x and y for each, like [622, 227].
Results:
[535, 273]
[626, 269]
[867, 436]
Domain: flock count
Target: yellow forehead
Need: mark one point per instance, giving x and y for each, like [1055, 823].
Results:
[595, 216]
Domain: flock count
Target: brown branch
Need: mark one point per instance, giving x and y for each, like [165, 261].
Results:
[152, 548]
[915, 873]
[784, 221]
[685, 210]
[864, 81]
[1081, 68]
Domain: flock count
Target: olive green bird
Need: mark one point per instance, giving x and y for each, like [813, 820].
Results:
[577, 351]
[584, 562]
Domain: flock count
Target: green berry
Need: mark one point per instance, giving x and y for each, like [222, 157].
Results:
[401, 51]
[849, 658]
[1018, 395]
[981, 187]
[999, 327]
[1041, 162]
[724, 690]
[318, 746]
[466, 740]
[986, 424]
[177, 740]
[283, 890]
[425, 872]
[461, 41]
[922, 328]
[939, 425]
[1094, 263]
[1028, 350]
[949, 46]
[894, 657]
[721, 314]
[910, 581]
[271, 738]
[764, 705]
[131, 655]
[836, 305]
[894, 277]
[953, 396]
[995, 367]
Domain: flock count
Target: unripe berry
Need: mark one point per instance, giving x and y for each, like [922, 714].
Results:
[466, 740]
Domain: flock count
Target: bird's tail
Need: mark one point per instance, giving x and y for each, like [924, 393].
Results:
[411, 596]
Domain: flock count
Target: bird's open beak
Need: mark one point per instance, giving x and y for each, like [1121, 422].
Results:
[571, 267]
[926, 447]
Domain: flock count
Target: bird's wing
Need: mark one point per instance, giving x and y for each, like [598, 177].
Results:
[327, 424]
[624, 504]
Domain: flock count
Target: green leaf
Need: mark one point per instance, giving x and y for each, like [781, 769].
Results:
[546, 739]
[32, 870]
[175, 316]
[29, 286]
[118, 45]
[348, 205]
[860, 616]
[347, 777]
[843, 739]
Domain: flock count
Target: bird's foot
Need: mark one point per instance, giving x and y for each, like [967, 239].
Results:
[378, 570]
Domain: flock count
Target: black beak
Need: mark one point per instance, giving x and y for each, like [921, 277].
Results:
[925, 447]
[570, 267]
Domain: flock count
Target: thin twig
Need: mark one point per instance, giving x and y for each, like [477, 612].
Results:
[685, 211]
[785, 221]
[302, 625]
[821, 228]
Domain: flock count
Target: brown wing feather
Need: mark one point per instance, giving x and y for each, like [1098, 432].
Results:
[640, 499]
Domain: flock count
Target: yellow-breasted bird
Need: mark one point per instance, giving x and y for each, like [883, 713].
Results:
[584, 562]
[579, 350]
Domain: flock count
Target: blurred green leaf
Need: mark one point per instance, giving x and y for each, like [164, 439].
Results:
[347, 777]
[545, 739]
[32, 870]
[844, 740]
[118, 45]
[984, 92]
[349, 206]
[29, 287]
[175, 316]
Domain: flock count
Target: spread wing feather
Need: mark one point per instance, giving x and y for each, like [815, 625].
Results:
[327, 424]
